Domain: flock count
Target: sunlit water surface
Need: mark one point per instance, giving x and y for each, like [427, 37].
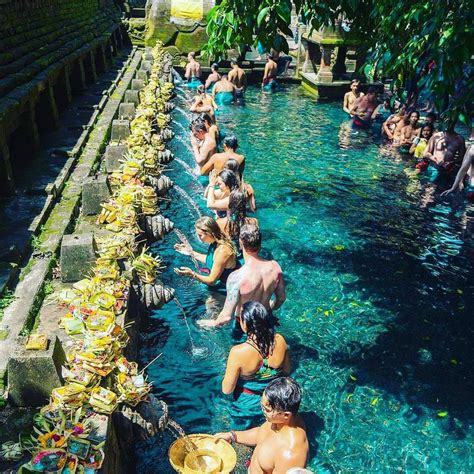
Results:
[379, 309]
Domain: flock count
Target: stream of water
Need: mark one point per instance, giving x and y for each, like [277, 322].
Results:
[379, 294]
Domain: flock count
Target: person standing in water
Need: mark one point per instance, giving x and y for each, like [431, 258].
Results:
[218, 161]
[257, 280]
[409, 132]
[351, 96]
[465, 177]
[213, 77]
[281, 442]
[193, 71]
[203, 143]
[220, 260]
[444, 150]
[363, 109]
[238, 77]
[203, 102]
[224, 91]
[252, 365]
[269, 74]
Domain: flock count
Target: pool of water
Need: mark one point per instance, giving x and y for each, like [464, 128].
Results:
[379, 300]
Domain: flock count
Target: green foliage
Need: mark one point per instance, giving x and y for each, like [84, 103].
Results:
[425, 42]
[6, 298]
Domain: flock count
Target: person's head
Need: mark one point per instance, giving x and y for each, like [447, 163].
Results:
[426, 131]
[431, 117]
[237, 212]
[215, 67]
[234, 63]
[371, 93]
[207, 230]
[386, 103]
[259, 325]
[230, 143]
[355, 83]
[199, 130]
[402, 109]
[414, 117]
[224, 78]
[281, 400]
[227, 181]
[207, 119]
[191, 56]
[250, 238]
[232, 165]
[201, 89]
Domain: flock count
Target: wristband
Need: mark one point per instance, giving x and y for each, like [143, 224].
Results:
[233, 437]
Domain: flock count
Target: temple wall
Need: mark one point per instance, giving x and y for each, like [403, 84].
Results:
[49, 50]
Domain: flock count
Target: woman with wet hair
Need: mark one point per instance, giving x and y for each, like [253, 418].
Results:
[218, 199]
[252, 365]
[251, 204]
[236, 216]
[219, 261]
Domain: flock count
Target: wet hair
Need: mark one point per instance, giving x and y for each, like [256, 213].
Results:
[371, 90]
[238, 213]
[284, 394]
[231, 142]
[432, 116]
[230, 179]
[215, 67]
[426, 125]
[192, 54]
[205, 117]
[233, 62]
[414, 112]
[224, 76]
[198, 126]
[260, 324]
[251, 237]
[354, 81]
[209, 226]
[232, 165]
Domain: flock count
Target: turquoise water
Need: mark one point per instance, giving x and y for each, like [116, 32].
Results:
[379, 299]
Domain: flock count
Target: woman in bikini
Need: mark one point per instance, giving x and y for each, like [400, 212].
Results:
[219, 261]
[252, 365]
[218, 199]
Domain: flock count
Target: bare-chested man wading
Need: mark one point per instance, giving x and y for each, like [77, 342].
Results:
[257, 280]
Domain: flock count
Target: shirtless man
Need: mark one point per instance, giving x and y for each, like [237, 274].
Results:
[394, 122]
[270, 73]
[410, 131]
[445, 149]
[218, 161]
[363, 109]
[281, 442]
[257, 280]
[193, 69]
[467, 169]
[351, 96]
[224, 91]
[203, 143]
[213, 77]
[238, 77]
[203, 103]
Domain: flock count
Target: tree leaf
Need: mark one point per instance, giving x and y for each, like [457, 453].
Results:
[263, 13]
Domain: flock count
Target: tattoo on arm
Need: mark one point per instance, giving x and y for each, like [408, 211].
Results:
[232, 299]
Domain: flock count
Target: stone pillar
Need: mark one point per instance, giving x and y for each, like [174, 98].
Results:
[78, 77]
[91, 70]
[312, 56]
[325, 72]
[7, 185]
[113, 44]
[31, 129]
[339, 68]
[46, 110]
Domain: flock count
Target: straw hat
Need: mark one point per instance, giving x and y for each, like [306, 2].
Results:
[202, 453]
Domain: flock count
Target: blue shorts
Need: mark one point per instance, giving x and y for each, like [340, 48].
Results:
[224, 98]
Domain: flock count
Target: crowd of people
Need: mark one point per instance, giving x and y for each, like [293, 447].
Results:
[436, 153]
[265, 399]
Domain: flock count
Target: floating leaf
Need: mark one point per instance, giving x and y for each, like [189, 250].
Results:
[339, 247]
[349, 398]
[442, 414]
[374, 401]
[460, 292]
[352, 377]
[454, 361]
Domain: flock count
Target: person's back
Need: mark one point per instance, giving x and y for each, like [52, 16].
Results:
[237, 75]
[219, 160]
